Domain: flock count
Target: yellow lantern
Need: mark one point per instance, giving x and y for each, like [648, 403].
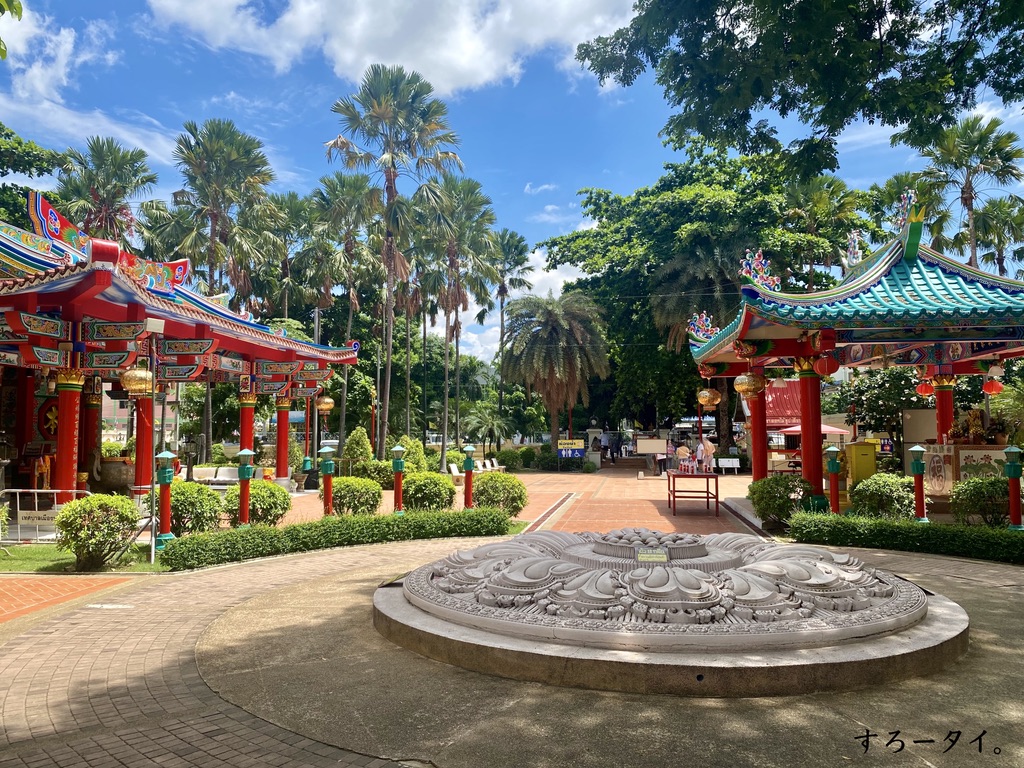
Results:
[137, 381]
[750, 383]
[324, 404]
[709, 398]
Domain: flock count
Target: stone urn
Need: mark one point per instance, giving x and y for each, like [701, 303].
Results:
[113, 475]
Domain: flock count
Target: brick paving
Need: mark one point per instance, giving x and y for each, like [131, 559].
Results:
[117, 684]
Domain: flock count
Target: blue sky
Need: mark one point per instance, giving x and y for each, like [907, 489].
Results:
[534, 127]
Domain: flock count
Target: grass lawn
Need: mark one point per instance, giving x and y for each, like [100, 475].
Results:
[46, 558]
[517, 527]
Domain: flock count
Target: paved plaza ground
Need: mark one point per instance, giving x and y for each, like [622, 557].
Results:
[276, 663]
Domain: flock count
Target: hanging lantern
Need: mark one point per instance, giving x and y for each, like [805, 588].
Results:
[137, 381]
[750, 383]
[709, 398]
[324, 404]
[992, 387]
[925, 388]
[826, 365]
[995, 371]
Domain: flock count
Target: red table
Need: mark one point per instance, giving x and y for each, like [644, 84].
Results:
[706, 493]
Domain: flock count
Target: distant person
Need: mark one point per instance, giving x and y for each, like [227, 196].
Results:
[605, 445]
[708, 455]
[683, 455]
[616, 445]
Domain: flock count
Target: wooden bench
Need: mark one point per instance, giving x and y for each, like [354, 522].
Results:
[493, 465]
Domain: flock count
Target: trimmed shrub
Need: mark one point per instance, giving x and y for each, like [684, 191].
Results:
[357, 445]
[545, 448]
[511, 460]
[195, 508]
[355, 496]
[95, 528]
[5, 517]
[268, 503]
[452, 457]
[883, 495]
[589, 467]
[111, 450]
[776, 498]
[414, 456]
[429, 491]
[997, 544]
[987, 498]
[500, 490]
[378, 471]
[217, 456]
[227, 546]
[528, 455]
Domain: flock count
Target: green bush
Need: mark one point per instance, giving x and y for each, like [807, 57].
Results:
[355, 496]
[589, 467]
[890, 463]
[414, 456]
[110, 450]
[357, 445]
[207, 549]
[777, 497]
[987, 498]
[510, 459]
[5, 518]
[997, 544]
[502, 491]
[452, 457]
[95, 528]
[217, 456]
[528, 455]
[268, 502]
[129, 448]
[546, 448]
[428, 491]
[380, 472]
[883, 495]
[194, 507]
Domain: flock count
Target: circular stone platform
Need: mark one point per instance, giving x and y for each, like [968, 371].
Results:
[642, 611]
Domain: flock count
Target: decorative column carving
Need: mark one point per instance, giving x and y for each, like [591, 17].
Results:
[69, 396]
[284, 405]
[247, 412]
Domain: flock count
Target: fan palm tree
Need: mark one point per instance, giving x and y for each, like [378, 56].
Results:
[395, 126]
[823, 207]
[969, 154]
[884, 201]
[100, 185]
[555, 346]
[224, 170]
[512, 264]
[485, 424]
[1000, 224]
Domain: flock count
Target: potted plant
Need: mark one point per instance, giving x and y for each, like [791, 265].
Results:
[958, 433]
[299, 476]
[998, 430]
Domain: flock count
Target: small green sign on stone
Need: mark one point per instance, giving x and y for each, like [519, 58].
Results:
[651, 555]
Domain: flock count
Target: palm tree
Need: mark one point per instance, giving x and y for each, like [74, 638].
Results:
[397, 128]
[291, 232]
[1000, 224]
[343, 206]
[555, 346]
[513, 267]
[100, 185]
[884, 201]
[484, 423]
[823, 207]
[225, 170]
[969, 154]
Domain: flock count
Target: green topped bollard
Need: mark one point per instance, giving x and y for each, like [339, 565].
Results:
[245, 473]
[467, 468]
[164, 478]
[327, 472]
[832, 466]
[398, 465]
[917, 470]
[1012, 469]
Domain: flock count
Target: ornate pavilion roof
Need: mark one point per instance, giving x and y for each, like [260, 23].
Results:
[905, 303]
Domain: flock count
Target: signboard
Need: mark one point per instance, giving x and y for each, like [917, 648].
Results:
[651, 555]
[571, 449]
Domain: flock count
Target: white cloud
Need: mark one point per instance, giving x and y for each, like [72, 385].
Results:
[455, 44]
[532, 190]
[865, 136]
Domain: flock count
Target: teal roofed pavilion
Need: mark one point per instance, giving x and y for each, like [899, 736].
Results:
[905, 304]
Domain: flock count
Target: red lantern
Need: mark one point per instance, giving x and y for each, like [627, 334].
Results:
[925, 388]
[992, 387]
[826, 365]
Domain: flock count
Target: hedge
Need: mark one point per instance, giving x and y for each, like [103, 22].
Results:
[205, 549]
[983, 543]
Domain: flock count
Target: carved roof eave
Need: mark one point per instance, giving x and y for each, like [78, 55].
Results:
[173, 310]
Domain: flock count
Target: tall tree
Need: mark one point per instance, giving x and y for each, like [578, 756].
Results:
[723, 63]
[18, 155]
[512, 263]
[969, 154]
[555, 346]
[883, 209]
[395, 126]
[1000, 224]
[98, 187]
[224, 170]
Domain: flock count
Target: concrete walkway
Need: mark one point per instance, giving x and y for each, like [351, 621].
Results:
[275, 663]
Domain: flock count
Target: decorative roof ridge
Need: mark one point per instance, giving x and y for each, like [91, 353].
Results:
[933, 258]
[14, 283]
[878, 265]
[724, 337]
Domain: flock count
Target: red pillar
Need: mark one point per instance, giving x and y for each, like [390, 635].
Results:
[69, 396]
[284, 405]
[243, 501]
[143, 444]
[246, 417]
[398, 492]
[468, 471]
[919, 508]
[943, 406]
[758, 435]
[328, 490]
[810, 425]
